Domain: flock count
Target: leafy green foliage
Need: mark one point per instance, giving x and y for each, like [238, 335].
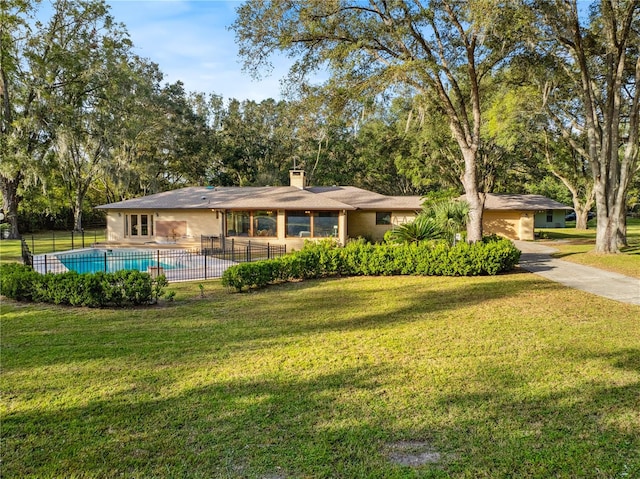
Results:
[439, 219]
[491, 256]
[420, 229]
[16, 281]
[122, 288]
[452, 216]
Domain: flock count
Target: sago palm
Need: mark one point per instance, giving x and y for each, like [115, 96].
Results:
[420, 229]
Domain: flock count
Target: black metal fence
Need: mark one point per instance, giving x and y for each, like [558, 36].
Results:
[239, 250]
[174, 264]
[63, 240]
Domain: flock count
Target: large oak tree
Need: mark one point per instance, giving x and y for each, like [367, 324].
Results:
[446, 49]
[597, 97]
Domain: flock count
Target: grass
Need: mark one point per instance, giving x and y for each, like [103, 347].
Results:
[48, 242]
[578, 246]
[507, 376]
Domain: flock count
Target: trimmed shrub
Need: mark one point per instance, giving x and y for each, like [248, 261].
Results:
[16, 281]
[122, 288]
[428, 258]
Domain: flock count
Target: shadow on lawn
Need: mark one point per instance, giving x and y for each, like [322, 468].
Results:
[333, 425]
[241, 321]
[415, 300]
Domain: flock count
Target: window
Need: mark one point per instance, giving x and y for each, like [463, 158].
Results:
[134, 225]
[325, 224]
[307, 224]
[299, 224]
[549, 216]
[138, 225]
[144, 225]
[252, 223]
[238, 223]
[265, 223]
[383, 217]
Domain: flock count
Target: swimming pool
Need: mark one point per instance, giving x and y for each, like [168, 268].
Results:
[174, 264]
[111, 260]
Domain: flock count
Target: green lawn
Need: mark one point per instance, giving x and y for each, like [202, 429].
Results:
[578, 246]
[506, 376]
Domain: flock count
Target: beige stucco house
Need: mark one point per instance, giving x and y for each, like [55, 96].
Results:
[292, 214]
[516, 216]
[277, 215]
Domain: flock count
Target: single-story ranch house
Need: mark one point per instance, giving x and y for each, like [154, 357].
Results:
[291, 214]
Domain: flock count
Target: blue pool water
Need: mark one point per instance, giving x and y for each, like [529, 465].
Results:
[94, 260]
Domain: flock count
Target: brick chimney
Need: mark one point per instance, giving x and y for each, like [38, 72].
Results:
[297, 178]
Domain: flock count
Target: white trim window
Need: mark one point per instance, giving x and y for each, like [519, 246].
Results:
[138, 225]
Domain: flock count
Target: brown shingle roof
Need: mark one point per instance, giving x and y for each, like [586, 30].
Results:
[367, 200]
[521, 202]
[276, 197]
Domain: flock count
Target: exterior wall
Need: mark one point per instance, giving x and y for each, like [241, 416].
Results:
[363, 223]
[189, 225]
[557, 220]
[526, 232]
[517, 225]
[115, 226]
[198, 222]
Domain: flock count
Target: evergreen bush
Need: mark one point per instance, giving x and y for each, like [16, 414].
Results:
[122, 288]
[491, 256]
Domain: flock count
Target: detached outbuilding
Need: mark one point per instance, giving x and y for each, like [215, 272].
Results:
[517, 216]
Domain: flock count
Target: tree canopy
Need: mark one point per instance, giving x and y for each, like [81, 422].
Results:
[436, 98]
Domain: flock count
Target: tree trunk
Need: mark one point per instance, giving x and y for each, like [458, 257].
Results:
[606, 237]
[582, 218]
[474, 197]
[622, 226]
[10, 200]
[611, 231]
[77, 209]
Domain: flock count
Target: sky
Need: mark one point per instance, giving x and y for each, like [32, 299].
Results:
[191, 42]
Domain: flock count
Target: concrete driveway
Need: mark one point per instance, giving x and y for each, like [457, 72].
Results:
[537, 259]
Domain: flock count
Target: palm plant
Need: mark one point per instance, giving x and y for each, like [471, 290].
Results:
[451, 215]
[422, 228]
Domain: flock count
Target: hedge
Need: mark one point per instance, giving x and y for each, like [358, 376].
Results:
[489, 257]
[122, 288]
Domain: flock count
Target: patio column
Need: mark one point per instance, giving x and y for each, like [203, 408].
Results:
[282, 225]
[342, 227]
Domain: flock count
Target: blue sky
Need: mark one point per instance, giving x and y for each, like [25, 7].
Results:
[190, 42]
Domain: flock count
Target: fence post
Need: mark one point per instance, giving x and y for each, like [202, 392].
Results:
[158, 260]
[45, 264]
[249, 252]
[83, 238]
[233, 249]
[205, 266]
[268, 251]
[105, 261]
